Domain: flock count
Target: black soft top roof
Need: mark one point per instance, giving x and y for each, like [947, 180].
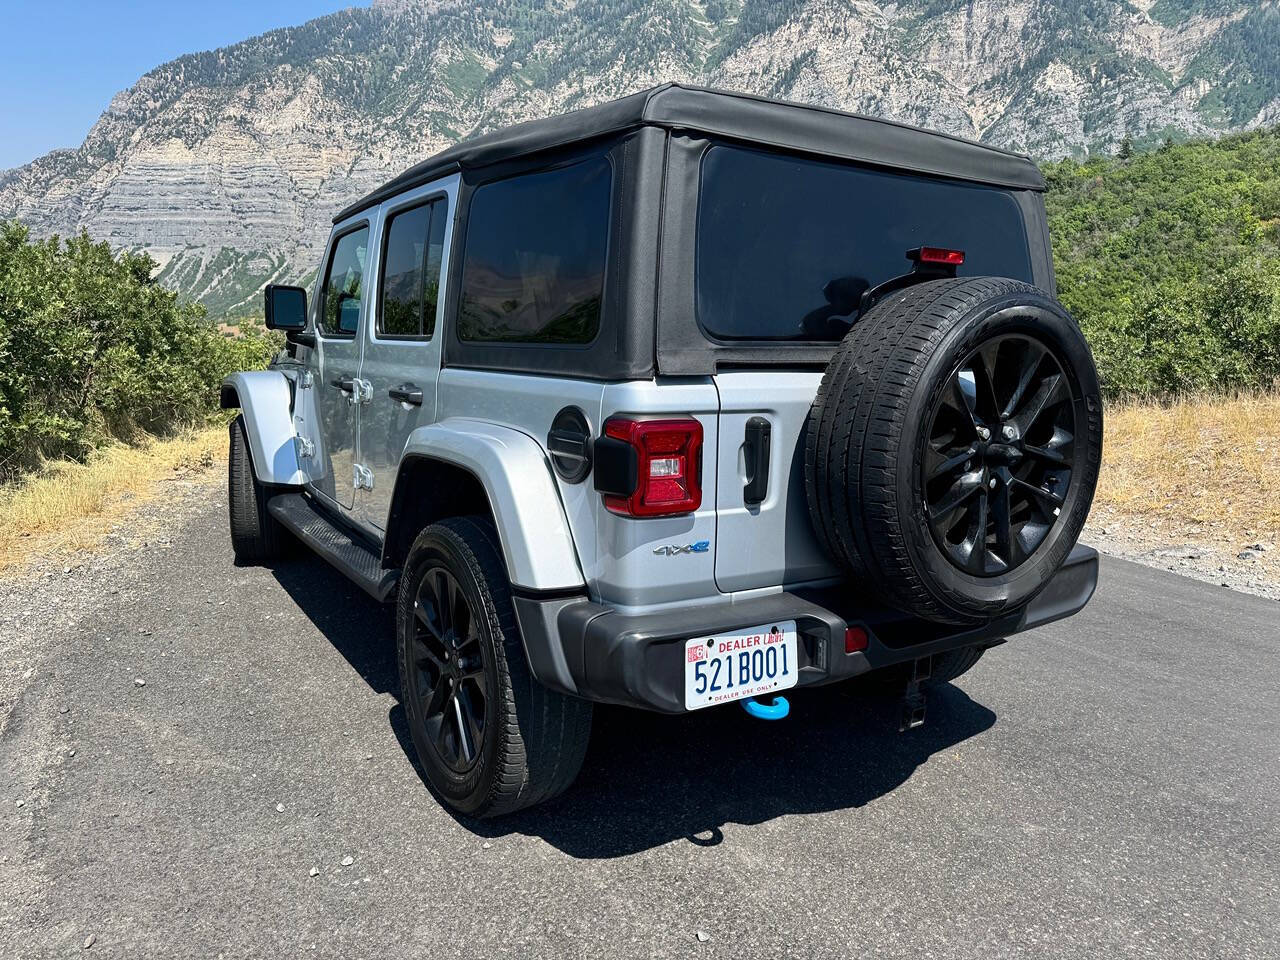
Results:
[737, 116]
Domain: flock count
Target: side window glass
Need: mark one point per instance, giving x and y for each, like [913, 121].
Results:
[401, 295]
[410, 284]
[533, 269]
[344, 285]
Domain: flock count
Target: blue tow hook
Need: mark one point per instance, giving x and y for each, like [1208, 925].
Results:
[767, 711]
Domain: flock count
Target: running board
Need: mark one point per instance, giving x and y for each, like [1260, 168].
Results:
[330, 539]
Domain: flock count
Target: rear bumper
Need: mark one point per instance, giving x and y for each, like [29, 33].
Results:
[592, 651]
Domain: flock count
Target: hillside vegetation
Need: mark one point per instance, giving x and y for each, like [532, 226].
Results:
[1171, 262]
[93, 349]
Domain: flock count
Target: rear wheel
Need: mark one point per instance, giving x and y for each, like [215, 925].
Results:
[943, 668]
[491, 739]
[256, 537]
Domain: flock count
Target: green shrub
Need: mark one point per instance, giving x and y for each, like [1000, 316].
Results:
[91, 348]
[1171, 263]
[1210, 335]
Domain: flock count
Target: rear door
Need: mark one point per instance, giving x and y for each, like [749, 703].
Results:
[340, 317]
[402, 348]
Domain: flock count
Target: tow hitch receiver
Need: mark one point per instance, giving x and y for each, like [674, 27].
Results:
[913, 703]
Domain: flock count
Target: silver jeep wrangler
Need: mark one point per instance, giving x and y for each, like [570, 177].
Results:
[687, 398]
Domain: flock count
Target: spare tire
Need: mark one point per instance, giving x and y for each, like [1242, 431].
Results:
[953, 448]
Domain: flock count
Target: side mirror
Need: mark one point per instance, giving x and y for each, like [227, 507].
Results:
[286, 307]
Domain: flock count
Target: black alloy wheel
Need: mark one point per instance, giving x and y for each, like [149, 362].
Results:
[998, 458]
[447, 675]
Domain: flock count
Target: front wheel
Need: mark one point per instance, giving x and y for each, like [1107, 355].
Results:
[256, 537]
[491, 739]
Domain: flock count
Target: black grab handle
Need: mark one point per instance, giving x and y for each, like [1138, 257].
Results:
[345, 384]
[757, 457]
[406, 393]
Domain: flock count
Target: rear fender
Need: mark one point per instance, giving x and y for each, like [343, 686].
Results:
[516, 477]
[264, 397]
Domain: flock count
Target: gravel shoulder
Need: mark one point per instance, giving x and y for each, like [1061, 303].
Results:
[56, 591]
[1243, 563]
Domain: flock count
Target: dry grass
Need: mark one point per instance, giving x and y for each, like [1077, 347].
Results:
[72, 506]
[1210, 466]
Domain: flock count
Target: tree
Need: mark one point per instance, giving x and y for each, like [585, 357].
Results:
[1170, 261]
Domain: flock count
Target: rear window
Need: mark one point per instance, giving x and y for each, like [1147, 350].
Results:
[786, 246]
[533, 271]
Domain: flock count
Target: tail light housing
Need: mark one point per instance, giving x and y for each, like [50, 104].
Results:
[650, 468]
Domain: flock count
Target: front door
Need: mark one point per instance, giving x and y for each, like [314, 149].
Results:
[402, 351]
[339, 323]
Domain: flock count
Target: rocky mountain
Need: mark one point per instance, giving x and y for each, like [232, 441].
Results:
[227, 165]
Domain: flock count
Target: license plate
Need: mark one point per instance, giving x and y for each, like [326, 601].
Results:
[739, 664]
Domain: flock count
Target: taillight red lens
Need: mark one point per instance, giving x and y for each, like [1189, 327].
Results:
[668, 456]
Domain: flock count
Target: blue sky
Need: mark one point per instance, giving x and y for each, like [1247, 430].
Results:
[65, 59]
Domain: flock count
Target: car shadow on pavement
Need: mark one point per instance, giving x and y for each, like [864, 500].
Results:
[360, 628]
[650, 779]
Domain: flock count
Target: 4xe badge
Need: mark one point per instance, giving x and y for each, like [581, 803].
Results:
[675, 549]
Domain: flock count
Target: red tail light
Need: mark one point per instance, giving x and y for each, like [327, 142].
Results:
[668, 466]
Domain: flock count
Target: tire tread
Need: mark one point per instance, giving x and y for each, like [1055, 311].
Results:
[256, 537]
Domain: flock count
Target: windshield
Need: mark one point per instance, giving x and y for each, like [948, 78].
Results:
[786, 246]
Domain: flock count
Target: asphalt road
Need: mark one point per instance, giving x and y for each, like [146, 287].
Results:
[1105, 787]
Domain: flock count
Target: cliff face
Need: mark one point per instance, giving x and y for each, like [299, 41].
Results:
[226, 165]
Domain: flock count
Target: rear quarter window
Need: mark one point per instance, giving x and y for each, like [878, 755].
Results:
[786, 245]
[535, 252]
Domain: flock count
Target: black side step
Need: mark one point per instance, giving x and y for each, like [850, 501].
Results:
[310, 524]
